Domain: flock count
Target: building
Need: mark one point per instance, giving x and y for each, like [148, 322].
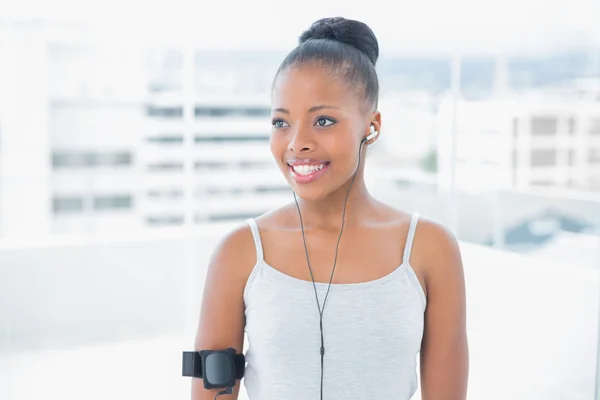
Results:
[97, 137]
[522, 141]
[219, 157]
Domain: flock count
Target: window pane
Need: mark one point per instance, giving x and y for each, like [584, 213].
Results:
[67, 204]
[113, 202]
[544, 125]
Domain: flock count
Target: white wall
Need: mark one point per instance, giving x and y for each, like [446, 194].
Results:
[24, 140]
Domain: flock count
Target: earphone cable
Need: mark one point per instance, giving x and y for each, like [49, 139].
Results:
[322, 309]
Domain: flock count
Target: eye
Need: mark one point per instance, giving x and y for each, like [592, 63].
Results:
[324, 121]
[279, 123]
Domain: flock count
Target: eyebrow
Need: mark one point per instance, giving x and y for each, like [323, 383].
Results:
[310, 110]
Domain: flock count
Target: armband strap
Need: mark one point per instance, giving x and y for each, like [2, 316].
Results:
[192, 364]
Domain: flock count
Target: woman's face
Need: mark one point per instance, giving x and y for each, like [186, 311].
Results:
[318, 123]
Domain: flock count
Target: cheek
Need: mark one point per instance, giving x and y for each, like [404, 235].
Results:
[345, 160]
[278, 147]
[343, 151]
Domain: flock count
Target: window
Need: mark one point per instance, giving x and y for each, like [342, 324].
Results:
[216, 191]
[594, 156]
[61, 159]
[205, 111]
[165, 194]
[515, 165]
[213, 165]
[543, 157]
[112, 159]
[165, 112]
[118, 202]
[544, 125]
[572, 126]
[67, 204]
[232, 138]
[210, 165]
[595, 126]
[164, 220]
[228, 217]
[166, 167]
[255, 164]
[166, 139]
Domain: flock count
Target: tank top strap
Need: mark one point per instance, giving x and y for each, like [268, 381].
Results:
[257, 242]
[410, 238]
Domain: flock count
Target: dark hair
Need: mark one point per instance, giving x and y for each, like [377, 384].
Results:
[347, 47]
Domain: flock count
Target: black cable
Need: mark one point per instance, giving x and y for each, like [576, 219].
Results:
[321, 310]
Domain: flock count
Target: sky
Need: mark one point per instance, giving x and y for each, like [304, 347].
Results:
[411, 26]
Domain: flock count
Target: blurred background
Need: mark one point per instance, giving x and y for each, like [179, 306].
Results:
[133, 136]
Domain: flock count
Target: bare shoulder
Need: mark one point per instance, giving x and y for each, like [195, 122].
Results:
[436, 241]
[235, 252]
[436, 254]
[230, 265]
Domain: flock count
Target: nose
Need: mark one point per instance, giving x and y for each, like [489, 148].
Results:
[301, 141]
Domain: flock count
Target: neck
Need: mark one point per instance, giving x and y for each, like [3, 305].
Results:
[327, 213]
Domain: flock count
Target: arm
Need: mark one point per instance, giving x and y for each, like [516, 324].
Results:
[222, 319]
[444, 351]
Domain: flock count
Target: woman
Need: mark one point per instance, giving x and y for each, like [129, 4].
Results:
[337, 292]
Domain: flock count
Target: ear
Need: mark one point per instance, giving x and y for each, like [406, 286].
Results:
[376, 121]
[374, 125]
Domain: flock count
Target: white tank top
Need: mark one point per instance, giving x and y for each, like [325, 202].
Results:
[372, 333]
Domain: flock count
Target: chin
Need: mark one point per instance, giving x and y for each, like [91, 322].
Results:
[315, 191]
[311, 194]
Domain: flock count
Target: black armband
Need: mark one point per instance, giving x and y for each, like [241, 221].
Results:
[218, 368]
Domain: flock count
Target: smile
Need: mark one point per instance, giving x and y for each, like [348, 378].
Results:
[306, 173]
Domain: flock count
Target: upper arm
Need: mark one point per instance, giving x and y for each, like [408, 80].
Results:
[221, 323]
[444, 351]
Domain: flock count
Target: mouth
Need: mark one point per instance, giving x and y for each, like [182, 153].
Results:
[307, 173]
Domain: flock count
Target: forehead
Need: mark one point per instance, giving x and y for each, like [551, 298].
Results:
[305, 86]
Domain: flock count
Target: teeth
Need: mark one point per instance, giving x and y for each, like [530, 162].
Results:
[307, 169]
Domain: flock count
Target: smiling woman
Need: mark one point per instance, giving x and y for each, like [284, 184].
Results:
[398, 290]
[338, 58]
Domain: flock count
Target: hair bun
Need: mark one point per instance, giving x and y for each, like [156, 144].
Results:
[353, 33]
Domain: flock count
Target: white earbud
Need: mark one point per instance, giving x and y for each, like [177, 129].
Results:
[372, 135]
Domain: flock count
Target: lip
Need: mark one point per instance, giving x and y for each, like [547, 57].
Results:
[313, 176]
